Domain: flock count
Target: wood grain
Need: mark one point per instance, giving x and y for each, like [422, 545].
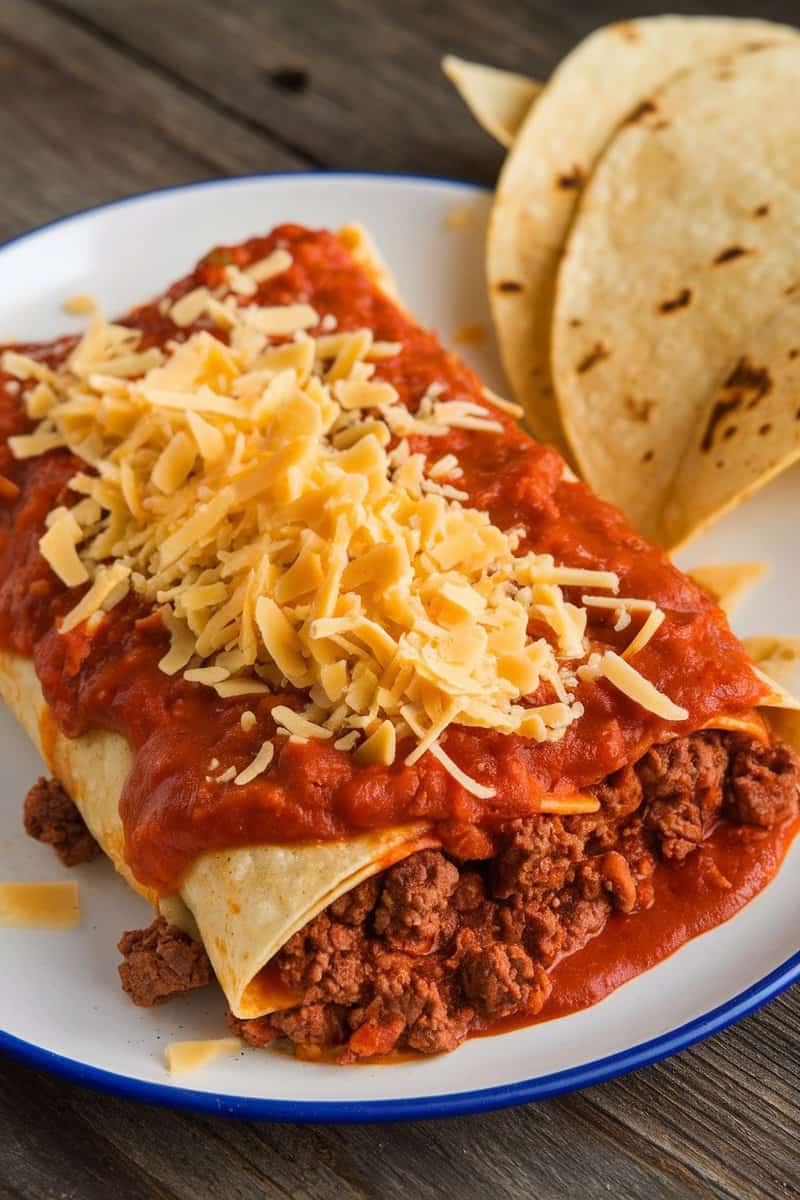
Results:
[99, 98]
[82, 122]
[719, 1120]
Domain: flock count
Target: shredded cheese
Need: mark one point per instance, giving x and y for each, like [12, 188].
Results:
[630, 603]
[58, 548]
[650, 627]
[636, 687]
[110, 583]
[267, 498]
[507, 406]
[267, 268]
[181, 1057]
[258, 766]
[40, 905]
[80, 305]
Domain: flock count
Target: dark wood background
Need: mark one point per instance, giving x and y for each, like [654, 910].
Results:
[100, 98]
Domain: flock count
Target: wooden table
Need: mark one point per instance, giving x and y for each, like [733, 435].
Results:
[100, 99]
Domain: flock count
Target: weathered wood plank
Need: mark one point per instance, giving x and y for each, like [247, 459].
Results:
[369, 93]
[80, 123]
[499, 1154]
[742, 1097]
[719, 1120]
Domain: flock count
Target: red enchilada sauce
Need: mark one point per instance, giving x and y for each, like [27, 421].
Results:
[171, 811]
[733, 865]
[730, 868]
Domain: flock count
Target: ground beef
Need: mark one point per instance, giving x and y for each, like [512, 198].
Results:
[354, 906]
[413, 913]
[161, 962]
[441, 1024]
[51, 817]
[683, 781]
[435, 949]
[416, 1007]
[501, 980]
[537, 858]
[313, 1024]
[326, 962]
[260, 1032]
[763, 783]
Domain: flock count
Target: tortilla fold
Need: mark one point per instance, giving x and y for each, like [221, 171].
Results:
[244, 904]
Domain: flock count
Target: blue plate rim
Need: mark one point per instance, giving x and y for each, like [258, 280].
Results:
[541, 1087]
[326, 1112]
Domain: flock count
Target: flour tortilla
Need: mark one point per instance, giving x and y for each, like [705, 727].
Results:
[728, 583]
[748, 430]
[245, 903]
[498, 100]
[595, 88]
[779, 658]
[687, 237]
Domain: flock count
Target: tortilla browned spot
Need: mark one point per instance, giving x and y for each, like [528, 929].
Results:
[595, 355]
[762, 439]
[761, 211]
[626, 30]
[642, 109]
[718, 413]
[745, 375]
[743, 379]
[570, 179]
[729, 254]
[509, 285]
[682, 299]
[640, 410]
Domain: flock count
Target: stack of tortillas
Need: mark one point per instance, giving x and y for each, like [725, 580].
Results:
[644, 260]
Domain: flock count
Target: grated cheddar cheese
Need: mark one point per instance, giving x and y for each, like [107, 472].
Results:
[265, 497]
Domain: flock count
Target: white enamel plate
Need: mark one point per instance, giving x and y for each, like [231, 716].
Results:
[61, 1005]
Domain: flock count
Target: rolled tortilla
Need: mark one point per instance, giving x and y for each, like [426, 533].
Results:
[244, 904]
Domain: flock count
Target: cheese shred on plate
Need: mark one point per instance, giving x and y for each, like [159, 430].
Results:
[262, 493]
[181, 1057]
[40, 905]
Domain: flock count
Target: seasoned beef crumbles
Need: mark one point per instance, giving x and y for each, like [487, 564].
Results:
[436, 948]
[161, 962]
[51, 817]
